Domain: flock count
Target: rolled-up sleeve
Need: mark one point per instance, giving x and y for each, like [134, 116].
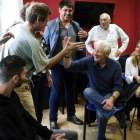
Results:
[38, 56]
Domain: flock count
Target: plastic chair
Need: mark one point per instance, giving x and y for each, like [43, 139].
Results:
[91, 107]
[132, 119]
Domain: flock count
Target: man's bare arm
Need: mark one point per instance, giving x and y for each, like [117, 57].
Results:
[67, 48]
[5, 38]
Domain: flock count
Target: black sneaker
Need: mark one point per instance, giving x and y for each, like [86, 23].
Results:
[121, 119]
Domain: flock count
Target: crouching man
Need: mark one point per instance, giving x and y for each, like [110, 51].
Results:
[105, 80]
[15, 122]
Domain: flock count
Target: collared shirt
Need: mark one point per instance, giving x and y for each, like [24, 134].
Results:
[52, 33]
[104, 80]
[63, 32]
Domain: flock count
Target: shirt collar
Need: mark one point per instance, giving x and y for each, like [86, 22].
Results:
[107, 62]
[104, 29]
[71, 21]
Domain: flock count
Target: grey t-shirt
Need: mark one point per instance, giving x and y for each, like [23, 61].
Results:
[28, 47]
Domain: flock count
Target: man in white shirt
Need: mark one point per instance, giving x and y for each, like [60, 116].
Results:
[109, 32]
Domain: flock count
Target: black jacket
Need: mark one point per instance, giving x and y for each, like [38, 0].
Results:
[16, 123]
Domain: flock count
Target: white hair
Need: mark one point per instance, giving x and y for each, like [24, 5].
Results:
[105, 45]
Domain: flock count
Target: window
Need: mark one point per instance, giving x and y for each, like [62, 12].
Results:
[9, 12]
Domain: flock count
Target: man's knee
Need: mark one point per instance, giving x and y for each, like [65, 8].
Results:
[88, 92]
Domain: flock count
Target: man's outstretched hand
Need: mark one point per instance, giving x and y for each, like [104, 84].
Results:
[78, 46]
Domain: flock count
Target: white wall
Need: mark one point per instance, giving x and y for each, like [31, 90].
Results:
[9, 12]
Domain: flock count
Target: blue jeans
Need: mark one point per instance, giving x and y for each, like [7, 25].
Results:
[102, 115]
[62, 80]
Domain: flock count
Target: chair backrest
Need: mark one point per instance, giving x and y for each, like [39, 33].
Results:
[124, 80]
[122, 61]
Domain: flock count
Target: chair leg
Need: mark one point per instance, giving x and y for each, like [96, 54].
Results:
[124, 110]
[125, 132]
[85, 121]
[89, 118]
[132, 119]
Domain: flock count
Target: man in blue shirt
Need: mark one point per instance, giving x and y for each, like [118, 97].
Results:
[55, 31]
[105, 84]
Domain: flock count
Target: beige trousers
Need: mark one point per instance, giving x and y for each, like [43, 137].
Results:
[24, 93]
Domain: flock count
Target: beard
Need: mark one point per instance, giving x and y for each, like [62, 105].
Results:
[19, 83]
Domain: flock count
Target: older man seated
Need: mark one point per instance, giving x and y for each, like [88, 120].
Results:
[105, 84]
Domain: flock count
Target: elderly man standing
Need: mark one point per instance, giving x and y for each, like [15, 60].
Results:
[105, 84]
[110, 33]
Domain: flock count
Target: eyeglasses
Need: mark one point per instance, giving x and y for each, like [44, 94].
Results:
[101, 20]
[99, 52]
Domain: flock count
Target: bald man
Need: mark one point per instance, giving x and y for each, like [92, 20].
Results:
[109, 32]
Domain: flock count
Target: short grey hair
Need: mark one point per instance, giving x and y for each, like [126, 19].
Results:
[36, 10]
[105, 45]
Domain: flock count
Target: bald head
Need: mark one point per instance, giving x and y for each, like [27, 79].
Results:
[105, 15]
[105, 21]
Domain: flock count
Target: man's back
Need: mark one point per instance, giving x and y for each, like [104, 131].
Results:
[26, 46]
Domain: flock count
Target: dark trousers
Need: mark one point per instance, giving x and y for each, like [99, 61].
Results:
[62, 81]
[69, 135]
[39, 93]
[138, 107]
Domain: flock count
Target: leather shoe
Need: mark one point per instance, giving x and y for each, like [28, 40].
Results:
[53, 125]
[75, 120]
[121, 119]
